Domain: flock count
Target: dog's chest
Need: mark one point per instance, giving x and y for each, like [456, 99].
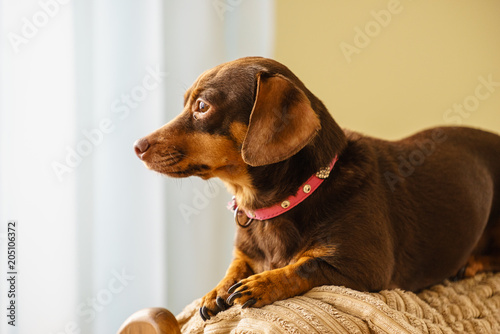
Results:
[269, 244]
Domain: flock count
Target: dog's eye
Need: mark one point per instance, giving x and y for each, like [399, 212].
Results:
[203, 106]
[200, 109]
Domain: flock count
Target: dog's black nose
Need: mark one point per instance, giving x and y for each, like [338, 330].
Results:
[140, 147]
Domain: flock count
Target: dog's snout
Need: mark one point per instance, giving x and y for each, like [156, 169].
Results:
[141, 146]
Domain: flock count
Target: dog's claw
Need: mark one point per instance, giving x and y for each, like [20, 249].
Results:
[460, 275]
[221, 303]
[204, 313]
[234, 287]
[231, 298]
[249, 303]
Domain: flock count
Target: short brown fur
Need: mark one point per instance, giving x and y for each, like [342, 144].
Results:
[405, 214]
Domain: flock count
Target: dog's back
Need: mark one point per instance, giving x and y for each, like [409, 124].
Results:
[440, 178]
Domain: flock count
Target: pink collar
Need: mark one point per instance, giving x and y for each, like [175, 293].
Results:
[305, 190]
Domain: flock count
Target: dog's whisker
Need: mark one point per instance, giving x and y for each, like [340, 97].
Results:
[211, 186]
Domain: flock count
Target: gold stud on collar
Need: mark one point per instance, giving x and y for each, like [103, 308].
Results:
[285, 204]
[323, 173]
[306, 189]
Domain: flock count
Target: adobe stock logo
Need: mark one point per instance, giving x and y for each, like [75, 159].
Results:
[88, 310]
[471, 103]
[408, 162]
[364, 36]
[223, 6]
[31, 27]
[199, 202]
[121, 108]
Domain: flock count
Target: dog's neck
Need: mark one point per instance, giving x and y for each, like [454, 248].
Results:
[264, 186]
[242, 189]
[304, 191]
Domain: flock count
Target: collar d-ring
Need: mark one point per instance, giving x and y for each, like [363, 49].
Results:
[246, 224]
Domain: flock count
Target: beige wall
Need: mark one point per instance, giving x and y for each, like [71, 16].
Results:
[419, 63]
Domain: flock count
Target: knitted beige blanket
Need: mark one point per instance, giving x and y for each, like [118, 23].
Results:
[468, 306]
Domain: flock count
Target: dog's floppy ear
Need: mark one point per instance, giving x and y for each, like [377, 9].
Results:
[282, 121]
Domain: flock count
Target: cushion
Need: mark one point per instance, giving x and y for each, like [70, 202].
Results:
[468, 306]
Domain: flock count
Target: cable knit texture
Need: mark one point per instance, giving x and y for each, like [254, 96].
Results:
[469, 306]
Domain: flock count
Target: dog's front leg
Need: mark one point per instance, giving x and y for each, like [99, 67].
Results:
[215, 301]
[278, 284]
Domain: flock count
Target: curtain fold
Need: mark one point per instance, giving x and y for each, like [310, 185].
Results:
[101, 236]
[37, 119]
[200, 230]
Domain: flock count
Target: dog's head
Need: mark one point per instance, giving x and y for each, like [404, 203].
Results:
[246, 113]
[239, 120]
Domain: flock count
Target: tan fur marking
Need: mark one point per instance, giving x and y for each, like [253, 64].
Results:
[217, 152]
[238, 131]
[238, 269]
[285, 282]
[226, 162]
[321, 251]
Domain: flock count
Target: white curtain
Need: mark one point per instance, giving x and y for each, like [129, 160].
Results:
[200, 230]
[98, 235]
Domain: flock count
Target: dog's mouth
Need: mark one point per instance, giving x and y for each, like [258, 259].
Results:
[170, 157]
[175, 164]
[201, 170]
[200, 159]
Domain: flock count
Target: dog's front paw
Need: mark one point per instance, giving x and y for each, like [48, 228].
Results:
[256, 291]
[213, 303]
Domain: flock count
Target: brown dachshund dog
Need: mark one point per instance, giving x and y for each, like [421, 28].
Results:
[390, 214]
